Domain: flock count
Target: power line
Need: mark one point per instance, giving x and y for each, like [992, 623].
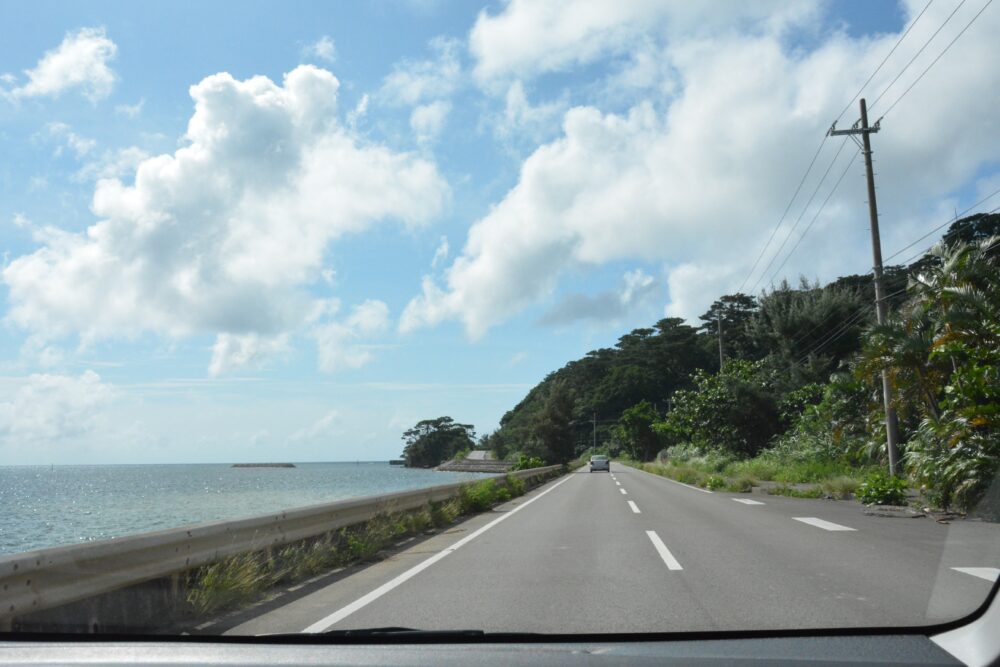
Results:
[917, 54]
[819, 148]
[944, 224]
[844, 327]
[799, 219]
[782, 219]
[933, 62]
[928, 249]
[815, 217]
[837, 333]
[884, 60]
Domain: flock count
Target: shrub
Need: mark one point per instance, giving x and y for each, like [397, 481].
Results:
[742, 484]
[525, 462]
[478, 496]
[841, 487]
[882, 489]
[713, 482]
[516, 485]
[795, 493]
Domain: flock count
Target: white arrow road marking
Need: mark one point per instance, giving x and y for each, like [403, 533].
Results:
[820, 523]
[664, 552]
[987, 573]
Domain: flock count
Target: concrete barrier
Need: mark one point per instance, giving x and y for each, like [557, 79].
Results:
[34, 581]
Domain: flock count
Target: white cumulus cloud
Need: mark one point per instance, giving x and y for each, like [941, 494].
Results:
[427, 120]
[323, 48]
[531, 37]
[342, 344]
[223, 235]
[80, 61]
[54, 409]
[698, 184]
[234, 352]
[415, 81]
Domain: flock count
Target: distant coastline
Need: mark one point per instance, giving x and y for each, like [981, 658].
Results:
[263, 465]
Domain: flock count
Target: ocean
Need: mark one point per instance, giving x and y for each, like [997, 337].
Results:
[46, 506]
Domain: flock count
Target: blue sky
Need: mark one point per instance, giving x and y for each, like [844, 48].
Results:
[249, 232]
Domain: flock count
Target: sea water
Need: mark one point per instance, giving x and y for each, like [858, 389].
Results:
[45, 506]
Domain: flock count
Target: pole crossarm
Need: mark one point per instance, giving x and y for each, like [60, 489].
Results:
[834, 132]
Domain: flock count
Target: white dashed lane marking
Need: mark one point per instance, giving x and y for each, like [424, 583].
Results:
[624, 492]
[747, 501]
[635, 508]
[820, 523]
[987, 573]
[664, 552]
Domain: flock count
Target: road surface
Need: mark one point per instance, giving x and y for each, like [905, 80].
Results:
[634, 552]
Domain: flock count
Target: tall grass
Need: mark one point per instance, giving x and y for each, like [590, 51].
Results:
[716, 472]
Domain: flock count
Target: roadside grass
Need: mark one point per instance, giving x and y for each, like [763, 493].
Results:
[792, 492]
[242, 579]
[833, 478]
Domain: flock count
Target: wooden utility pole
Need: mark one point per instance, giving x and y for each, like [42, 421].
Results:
[891, 422]
[594, 419]
[718, 319]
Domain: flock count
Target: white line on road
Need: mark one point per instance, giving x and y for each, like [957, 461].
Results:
[676, 482]
[635, 508]
[624, 492]
[618, 483]
[664, 552]
[987, 573]
[747, 501]
[329, 621]
[820, 523]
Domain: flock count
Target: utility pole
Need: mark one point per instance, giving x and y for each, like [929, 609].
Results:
[862, 128]
[594, 419]
[718, 318]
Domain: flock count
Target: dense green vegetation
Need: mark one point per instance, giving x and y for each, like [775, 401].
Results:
[798, 397]
[433, 441]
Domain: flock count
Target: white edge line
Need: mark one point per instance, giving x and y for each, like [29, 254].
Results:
[664, 552]
[635, 508]
[696, 488]
[329, 621]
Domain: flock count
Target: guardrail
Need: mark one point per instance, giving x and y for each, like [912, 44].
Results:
[39, 580]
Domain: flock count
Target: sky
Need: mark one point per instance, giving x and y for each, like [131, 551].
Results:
[260, 232]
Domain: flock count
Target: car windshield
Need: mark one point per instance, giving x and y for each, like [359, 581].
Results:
[418, 313]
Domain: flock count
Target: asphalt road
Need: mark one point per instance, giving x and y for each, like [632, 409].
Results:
[633, 552]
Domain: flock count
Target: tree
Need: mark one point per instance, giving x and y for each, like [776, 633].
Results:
[735, 312]
[635, 431]
[734, 411]
[433, 441]
[553, 426]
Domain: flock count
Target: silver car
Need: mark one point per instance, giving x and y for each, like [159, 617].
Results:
[600, 463]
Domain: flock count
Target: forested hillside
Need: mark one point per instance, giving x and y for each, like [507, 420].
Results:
[800, 380]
